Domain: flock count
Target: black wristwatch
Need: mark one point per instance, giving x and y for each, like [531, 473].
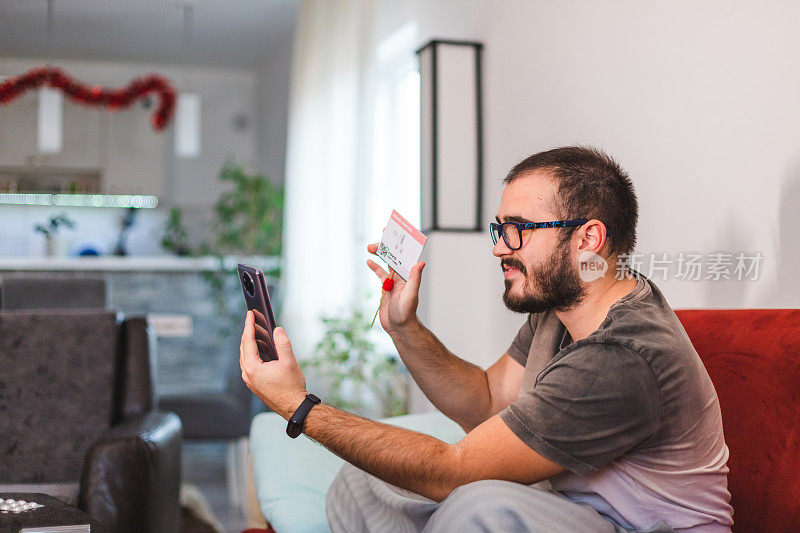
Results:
[295, 425]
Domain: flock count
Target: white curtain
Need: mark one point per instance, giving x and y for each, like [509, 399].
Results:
[324, 145]
[343, 156]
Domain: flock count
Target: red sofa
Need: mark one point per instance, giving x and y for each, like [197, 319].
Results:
[753, 358]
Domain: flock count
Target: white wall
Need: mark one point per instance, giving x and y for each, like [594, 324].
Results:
[699, 101]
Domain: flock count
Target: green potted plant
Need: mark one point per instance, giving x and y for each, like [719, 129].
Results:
[247, 222]
[51, 228]
[176, 238]
[358, 376]
[248, 219]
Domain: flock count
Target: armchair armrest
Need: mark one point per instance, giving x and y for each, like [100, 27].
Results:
[131, 477]
[136, 368]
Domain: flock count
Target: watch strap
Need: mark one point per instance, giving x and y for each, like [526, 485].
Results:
[295, 426]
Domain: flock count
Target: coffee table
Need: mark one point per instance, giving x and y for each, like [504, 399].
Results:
[54, 513]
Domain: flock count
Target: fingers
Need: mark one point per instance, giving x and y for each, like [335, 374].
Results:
[248, 348]
[375, 267]
[283, 345]
[372, 248]
[261, 332]
[249, 333]
[415, 277]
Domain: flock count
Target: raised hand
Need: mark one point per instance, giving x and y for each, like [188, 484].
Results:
[399, 306]
[280, 383]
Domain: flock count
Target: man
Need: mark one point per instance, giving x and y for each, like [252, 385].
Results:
[601, 392]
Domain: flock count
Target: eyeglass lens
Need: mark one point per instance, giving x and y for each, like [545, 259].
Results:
[509, 232]
[511, 235]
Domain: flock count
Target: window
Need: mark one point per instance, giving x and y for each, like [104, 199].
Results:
[394, 177]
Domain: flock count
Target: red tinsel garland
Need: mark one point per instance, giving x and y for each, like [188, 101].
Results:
[95, 95]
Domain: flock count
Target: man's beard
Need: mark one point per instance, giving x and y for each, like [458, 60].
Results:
[552, 285]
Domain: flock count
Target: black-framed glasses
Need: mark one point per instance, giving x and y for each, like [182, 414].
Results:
[512, 231]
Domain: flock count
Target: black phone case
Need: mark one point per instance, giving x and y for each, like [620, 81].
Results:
[257, 301]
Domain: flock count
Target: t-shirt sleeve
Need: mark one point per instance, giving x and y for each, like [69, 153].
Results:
[521, 344]
[588, 408]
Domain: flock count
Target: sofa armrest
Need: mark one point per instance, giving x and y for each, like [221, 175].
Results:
[131, 476]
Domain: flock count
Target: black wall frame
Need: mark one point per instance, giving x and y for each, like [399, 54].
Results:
[432, 221]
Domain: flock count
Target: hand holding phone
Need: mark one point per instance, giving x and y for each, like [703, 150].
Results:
[257, 299]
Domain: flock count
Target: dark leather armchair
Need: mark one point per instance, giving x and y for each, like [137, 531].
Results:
[76, 405]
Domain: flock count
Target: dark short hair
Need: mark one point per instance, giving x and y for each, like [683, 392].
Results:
[590, 185]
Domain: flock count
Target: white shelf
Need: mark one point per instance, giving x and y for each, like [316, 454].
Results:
[155, 263]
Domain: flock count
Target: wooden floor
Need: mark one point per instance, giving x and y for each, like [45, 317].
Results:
[204, 467]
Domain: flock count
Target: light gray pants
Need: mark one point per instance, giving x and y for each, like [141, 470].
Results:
[360, 503]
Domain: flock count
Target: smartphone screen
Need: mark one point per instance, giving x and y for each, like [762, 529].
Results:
[257, 299]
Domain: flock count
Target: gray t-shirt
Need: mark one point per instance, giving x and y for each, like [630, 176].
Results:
[629, 412]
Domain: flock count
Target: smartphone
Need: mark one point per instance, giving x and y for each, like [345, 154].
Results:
[257, 298]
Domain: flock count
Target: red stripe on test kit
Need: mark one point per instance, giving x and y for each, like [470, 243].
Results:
[406, 225]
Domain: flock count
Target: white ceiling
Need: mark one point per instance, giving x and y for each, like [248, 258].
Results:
[227, 33]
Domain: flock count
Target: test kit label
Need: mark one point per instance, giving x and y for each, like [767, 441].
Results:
[401, 245]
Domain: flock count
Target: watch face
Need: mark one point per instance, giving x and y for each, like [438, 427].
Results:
[295, 425]
[293, 429]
